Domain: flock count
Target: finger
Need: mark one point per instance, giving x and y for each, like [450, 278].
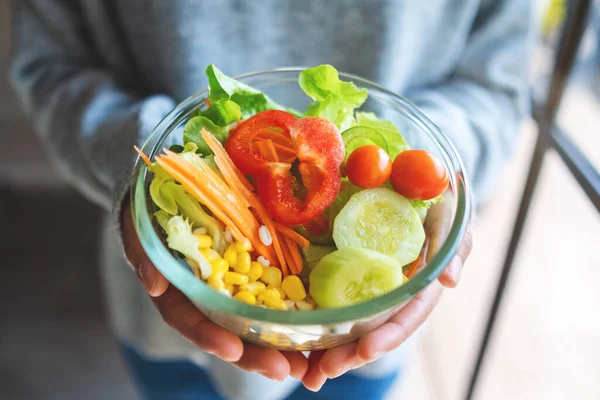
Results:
[314, 379]
[180, 314]
[339, 360]
[154, 282]
[451, 275]
[394, 332]
[298, 363]
[266, 361]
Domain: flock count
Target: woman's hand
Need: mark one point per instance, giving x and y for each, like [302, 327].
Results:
[336, 361]
[180, 314]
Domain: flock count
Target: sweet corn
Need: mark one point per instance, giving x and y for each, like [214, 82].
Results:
[276, 304]
[256, 270]
[305, 305]
[293, 288]
[235, 279]
[219, 267]
[240, 247]
[280, 290]
[269, 295]
[230, 288]
[243, 263]
[230, 254]
[271, 276]
[290, 304]
[216, 283]
[210, 254]
[254, 287]
[204, 241]
[246, 297]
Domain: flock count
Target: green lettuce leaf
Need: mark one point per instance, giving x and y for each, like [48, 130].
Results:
[249, 100]
[191, 133]
[395, 141]
[181, 239]
[422, 206]
[334, 98]
[223, 112]
[173, 199]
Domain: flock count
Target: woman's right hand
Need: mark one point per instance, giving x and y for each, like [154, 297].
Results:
[180, 314]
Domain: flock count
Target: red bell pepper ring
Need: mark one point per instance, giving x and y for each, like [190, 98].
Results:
[317, 149]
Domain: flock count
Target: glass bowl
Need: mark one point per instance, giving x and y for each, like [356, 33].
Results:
[318, 329]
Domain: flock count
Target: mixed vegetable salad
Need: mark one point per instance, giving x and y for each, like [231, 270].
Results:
[290, 210]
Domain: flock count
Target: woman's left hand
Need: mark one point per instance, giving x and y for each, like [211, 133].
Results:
[336, 361]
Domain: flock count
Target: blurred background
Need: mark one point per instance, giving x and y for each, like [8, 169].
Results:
[55, 344]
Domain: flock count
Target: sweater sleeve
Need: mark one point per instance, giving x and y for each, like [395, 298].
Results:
[87, 121]
[482, 104]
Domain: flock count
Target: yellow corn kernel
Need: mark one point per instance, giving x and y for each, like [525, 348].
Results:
[210, 254]
[246, 297]
[290, 304]
[269, 295]
[243, 263]
[293, 288]
[219, 267]
[305, 305]
[256, 270]
[230, 288]
[255, 288]
[276, 304]
[235, 279]
[216, 283]
[230, 254]
[204, 241]
[240, 247]
[280, 290]
[271, 276]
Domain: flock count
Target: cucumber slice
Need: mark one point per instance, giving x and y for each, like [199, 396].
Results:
[382, 220]
[353, 275]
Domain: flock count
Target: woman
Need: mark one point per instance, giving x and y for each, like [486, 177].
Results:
[96, 76]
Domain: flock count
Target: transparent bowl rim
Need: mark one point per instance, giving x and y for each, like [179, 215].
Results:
[200, 293]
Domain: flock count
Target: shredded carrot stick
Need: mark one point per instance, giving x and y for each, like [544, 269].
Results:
[212, 177]
[413, 267]
[218, 191]
[232, 176]
[412, 270]
[295, 254]
[191, 187]
[266, 148]
[283, 150]
[292, 234]
[276, 137]
[237, 181]
[143, 156]
[290, 266]
[237, 215]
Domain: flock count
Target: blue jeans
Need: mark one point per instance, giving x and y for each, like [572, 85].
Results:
[184, 380]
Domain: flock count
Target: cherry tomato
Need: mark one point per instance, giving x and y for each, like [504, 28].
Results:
[368, 166]
[418, 175]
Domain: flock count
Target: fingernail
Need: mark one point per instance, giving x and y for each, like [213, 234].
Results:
[147, 276]
[316, 389]
[376, 355]
[455, 270]
[269, 376]
[339, 372]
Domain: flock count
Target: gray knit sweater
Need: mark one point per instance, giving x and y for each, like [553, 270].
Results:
[95, 76]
